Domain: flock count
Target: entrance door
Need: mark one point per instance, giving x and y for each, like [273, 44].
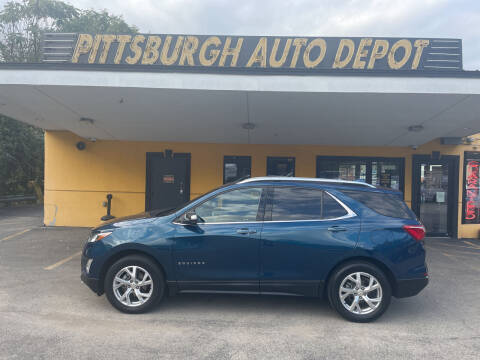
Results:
[168, 180]
[435, 193]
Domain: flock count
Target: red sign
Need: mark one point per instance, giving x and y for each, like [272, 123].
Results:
[472, 191]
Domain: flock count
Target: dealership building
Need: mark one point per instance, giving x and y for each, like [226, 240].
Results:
[155, 120]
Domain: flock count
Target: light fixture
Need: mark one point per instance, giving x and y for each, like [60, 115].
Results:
[415, 128]
[248, 126]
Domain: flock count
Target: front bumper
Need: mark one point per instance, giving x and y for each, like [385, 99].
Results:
[410, 287]
[92, 283]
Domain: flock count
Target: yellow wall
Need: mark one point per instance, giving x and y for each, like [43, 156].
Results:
[76, 182]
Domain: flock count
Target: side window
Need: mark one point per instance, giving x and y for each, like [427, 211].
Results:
[292, 203]
[239, 205]
[331, 208]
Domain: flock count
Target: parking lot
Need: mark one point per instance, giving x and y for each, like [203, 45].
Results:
[46, 312]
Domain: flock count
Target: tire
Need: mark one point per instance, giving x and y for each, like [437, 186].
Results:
[128, 296]
[363, 304]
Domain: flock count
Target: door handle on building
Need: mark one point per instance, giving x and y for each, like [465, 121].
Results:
[337, 228]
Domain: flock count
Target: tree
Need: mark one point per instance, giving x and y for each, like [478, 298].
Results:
[22, 24]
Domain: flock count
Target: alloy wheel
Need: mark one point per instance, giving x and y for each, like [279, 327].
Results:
[360, 293]
[133, 286]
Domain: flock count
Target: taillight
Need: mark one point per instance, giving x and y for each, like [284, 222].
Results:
[415, 231]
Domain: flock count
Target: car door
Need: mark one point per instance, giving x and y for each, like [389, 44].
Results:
[221, 251]
[306, 231]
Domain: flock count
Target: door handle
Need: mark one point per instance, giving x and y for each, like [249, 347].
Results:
[244, 231]
[337, 228]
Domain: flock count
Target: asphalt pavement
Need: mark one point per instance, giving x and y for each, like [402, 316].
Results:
[47, 313]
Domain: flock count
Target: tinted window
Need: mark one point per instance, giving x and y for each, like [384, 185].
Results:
[331, 208]
[382, 203]
[234, 206]
[236, 167]
[290, 203]
[280, 166]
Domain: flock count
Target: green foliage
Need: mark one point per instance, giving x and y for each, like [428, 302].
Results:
[92, 22]
[21, 156]
[22, 24]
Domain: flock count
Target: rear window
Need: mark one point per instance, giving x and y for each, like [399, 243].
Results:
[382, 203]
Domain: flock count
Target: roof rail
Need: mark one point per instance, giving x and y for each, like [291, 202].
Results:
[319, 180]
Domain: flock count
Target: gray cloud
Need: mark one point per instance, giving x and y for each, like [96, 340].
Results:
[396, 18]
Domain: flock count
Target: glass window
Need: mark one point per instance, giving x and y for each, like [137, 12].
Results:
[331, 208]
[280, 166]
[382, 203]
[236, 167]
[234, 206]
[290, 203]
[382, 172]
[386, 174]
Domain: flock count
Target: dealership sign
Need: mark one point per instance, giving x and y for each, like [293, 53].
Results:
[260, 53]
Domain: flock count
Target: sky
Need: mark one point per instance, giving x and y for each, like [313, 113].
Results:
[343, 18]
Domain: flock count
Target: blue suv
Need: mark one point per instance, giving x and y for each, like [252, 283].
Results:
[350, 242]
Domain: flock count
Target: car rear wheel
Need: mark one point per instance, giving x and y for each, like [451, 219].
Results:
[134, 284]
[360, 292]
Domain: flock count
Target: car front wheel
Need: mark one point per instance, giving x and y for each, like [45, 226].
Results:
[134, 284]
[360, 292]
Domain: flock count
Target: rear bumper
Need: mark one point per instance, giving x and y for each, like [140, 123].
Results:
[410, 287]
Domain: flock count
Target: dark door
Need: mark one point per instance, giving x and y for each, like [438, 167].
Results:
[168, 180]
[221, 252]
[435, 193]
[304, 233]
[280, 166]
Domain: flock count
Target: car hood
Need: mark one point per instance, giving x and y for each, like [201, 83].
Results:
[136, 219]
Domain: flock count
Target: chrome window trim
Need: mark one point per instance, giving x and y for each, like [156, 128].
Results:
[291, 178]
[350, 214]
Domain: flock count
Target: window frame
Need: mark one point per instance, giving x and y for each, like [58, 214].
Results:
[267, 217]
[260, 210]
[368, 160]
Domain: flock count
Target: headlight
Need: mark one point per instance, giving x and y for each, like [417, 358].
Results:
[99, 236]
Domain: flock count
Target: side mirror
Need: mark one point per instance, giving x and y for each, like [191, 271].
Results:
[191, 218]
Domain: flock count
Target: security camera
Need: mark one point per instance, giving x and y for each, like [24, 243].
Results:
[414, 147]
[81, 145]
[92, 139]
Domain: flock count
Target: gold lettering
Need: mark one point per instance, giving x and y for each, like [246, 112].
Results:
[420, 45]
[84, 44]
[379, 51]
[358, 63]
[213, 55]
[273, 55]
[95, 46]
[170, 60]
[229, 51]
[306, 55]
[298, 43]
[189, 47]
[392, 62]
[136, 49]
[122, 41]
[150, 54]
[259, 54]
[107, 42]
[350, 45]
